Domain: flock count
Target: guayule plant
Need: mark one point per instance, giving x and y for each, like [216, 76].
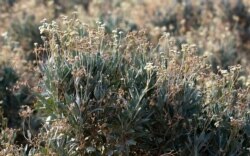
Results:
[13, 96]
[9, 101]
[118, 94]
[25, 32]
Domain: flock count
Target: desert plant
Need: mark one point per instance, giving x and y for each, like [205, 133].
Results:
[25, 32]
[117, 94]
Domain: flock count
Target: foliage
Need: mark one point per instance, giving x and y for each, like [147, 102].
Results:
[13, 96]
[130, 84]
[116, 94]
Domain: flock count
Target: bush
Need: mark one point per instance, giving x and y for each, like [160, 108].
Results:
[13, 97]
[127, 91]
[26, 33]
[111, 94]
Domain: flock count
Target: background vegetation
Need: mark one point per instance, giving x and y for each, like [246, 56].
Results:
[95, 77]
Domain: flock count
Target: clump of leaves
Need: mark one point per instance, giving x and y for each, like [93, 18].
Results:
[118, 94]
[26, 33]
[8, 79]
[13, 96]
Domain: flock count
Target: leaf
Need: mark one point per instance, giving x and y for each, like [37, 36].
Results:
[131, 142]
[29, 134]
[247, 130]
[90, 149]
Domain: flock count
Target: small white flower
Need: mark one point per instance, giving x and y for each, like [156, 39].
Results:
[48, 120]
[167, 34]
[248, 149]
[224, 72]
[217, 124]
[5, 34]
[248, 83]
[72, 139]
[98, 22]
[103, 25]
[53, 22]
[43, 20]
[42, 29]
[149, 67]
